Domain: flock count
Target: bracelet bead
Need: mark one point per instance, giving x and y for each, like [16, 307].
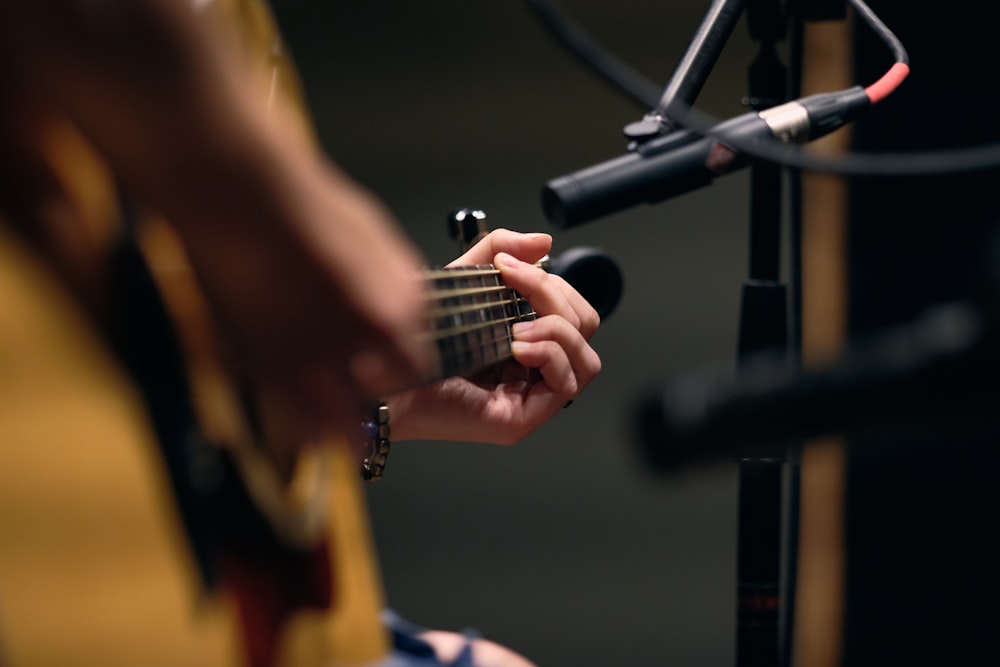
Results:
[376, 431]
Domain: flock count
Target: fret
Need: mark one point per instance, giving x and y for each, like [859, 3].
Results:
[499, 330]
[471, 312]
[483, 317]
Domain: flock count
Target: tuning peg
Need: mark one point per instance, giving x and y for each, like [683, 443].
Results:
[467, 226]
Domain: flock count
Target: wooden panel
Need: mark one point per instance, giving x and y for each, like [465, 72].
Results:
[818, 624]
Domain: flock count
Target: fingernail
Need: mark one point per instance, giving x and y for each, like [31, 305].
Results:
[504, 260]
[521, 327]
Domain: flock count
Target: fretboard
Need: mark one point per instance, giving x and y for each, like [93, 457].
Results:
[471, 312]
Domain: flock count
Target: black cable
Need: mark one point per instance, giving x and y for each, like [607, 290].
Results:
[866, 14]
[884, 164]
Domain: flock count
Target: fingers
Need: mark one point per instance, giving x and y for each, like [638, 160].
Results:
[559, 352]
[527, 247]
[556, 344]
[549, 294]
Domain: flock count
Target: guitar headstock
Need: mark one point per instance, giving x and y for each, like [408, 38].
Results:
[467, 227]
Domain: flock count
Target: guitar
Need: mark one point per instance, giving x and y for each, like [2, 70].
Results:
[178, 540]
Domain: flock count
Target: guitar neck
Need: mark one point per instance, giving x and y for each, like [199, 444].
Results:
[471, 312]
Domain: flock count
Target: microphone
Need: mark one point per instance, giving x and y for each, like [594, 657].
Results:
[935, 375]
[683, 161]
[594, 274]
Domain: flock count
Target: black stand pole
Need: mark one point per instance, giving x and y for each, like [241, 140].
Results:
[760, 598]
[767, 535]
[691, 73]
[763, 326]
[701, 55]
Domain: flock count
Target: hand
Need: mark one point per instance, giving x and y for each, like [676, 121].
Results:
[309, 281]
[552, 364]
[319, 307]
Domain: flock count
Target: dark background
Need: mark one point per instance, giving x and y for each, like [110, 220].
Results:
[562, 547]
[921, 510]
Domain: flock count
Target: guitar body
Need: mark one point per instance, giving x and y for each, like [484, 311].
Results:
[94, 568]
[112, 549]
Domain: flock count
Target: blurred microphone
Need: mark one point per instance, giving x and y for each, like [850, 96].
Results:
[683, 161]
[594, 274]
[938, 374]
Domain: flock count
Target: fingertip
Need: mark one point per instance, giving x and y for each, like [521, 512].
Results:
[519, 347]
[540, 241]
[529, 246]
[539, 236]
[504, 260]
[527, 353]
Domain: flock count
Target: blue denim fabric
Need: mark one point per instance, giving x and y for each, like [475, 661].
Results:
[410, 651]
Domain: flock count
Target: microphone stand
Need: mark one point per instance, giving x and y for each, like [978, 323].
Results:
[762, 603]
[763, 328]
[767, 519]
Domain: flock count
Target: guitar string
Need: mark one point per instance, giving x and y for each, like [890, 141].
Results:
[472, 307]
[463, 354]
[451, 332]
[467, 307]
[462, 272]
[458, 292]
[468, 359]
[474, 271]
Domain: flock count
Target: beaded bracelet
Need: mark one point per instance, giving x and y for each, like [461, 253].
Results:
[376, 431]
